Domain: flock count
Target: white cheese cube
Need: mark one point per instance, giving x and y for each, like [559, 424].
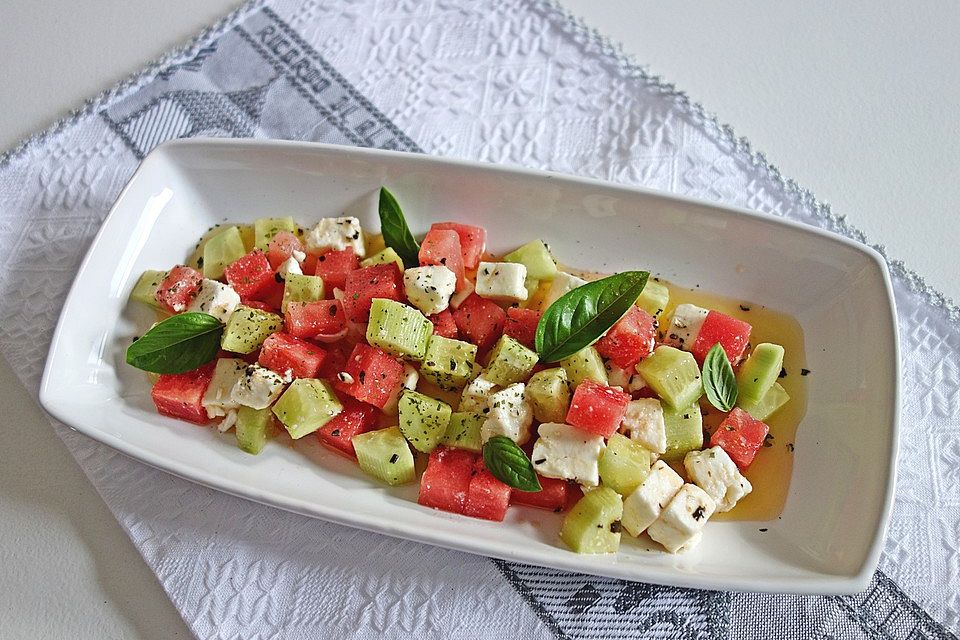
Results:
[336, 234]
[257, 387]
[685, 325]
[713, 471]
[561, 284]
[502, 281]
[644, 423]
[475, 395]
[625, 379]
[409, 382]
[567, 452]
[429, 288]
[642, 507]
[681, 521]
[508, 414]
[218, 398]
[290, 265]
[215, 298]
[229, 421]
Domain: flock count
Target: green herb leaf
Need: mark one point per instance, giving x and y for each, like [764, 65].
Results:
[580, 317]
[396, 233]
[719, 383]
[509, 464]
[178, 344]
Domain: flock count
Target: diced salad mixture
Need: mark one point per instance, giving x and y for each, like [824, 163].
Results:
[518, 383]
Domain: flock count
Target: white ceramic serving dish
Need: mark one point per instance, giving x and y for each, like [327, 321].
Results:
[831, 532]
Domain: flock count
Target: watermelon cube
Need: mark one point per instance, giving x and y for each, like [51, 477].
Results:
[442, 247]
[333, 267]
[597, 408]
[473, 241]
[180, 395]
[480, 321]
[553, 495]
[630, 340]
[336, 361]
[732, 334]
[445, 483]
[444, 325]
[741, 436]
[282, 246]
[372, 375]
[487, 497]
[324, 320]
[521, 325]
[356, 418]
[178, 289]
[363, 285]
[252, 276]
[282, 353]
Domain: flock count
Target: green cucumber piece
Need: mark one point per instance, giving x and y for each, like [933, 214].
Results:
[145, 290]
[386, 256]
[673, 374]
[306, 405]
[585, 364]
[253, 428]
[771, 401]
[536, 258]
[398, 329]
[654, 298]
[448, 363]
[759, 372]
[385, 455]
[684, 429]
[247, 328]
[510, 362]
[624, 464]
[548, 392]
[265, 228]
[593, 525]
[423, 420]
[300, 288]
[463, 432]
[221, 250]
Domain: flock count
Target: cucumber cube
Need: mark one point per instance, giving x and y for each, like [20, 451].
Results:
[448, 363]
[145, 290]
[759, 372]
[673, 374]
[220, 250]
[300, 288]
[463, 432]
[386, 256]
[247, 328]
[624, 464]
[585, 364]
[593, 525]
[253, 428]
[398, 329]
[385, 455]
[684, 429]
[423, 420]
[549, 393]
[654, 298]
[306, 405]
[265, 228]
[510, 362]
[771, 401]
[536, 258]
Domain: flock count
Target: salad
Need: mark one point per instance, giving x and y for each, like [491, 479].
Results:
[491, 381]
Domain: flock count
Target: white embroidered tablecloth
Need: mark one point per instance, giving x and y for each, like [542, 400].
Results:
[508, 81]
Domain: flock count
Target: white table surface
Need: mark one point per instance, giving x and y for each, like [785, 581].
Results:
[858, 102]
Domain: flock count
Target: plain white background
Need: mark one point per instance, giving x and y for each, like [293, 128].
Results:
[858, 101]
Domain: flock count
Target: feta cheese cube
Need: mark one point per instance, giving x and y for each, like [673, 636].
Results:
[627, 380]
[502, 281]
[229, 421]
[642, 507]
[475, 395]
[561, 284]
[681, 522]
[644, 423]
[290, 265]
[566, 452]
[713, 471]
[508, 414]
[685, 325]
[429, 288]
[336, 234]
[257, 387]
[218, 399]
[215, 298]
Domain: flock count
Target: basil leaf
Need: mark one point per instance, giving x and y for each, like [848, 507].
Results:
[719, 383]
[396, 233]
[579, 317]
[178, 344]
[509, 464]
